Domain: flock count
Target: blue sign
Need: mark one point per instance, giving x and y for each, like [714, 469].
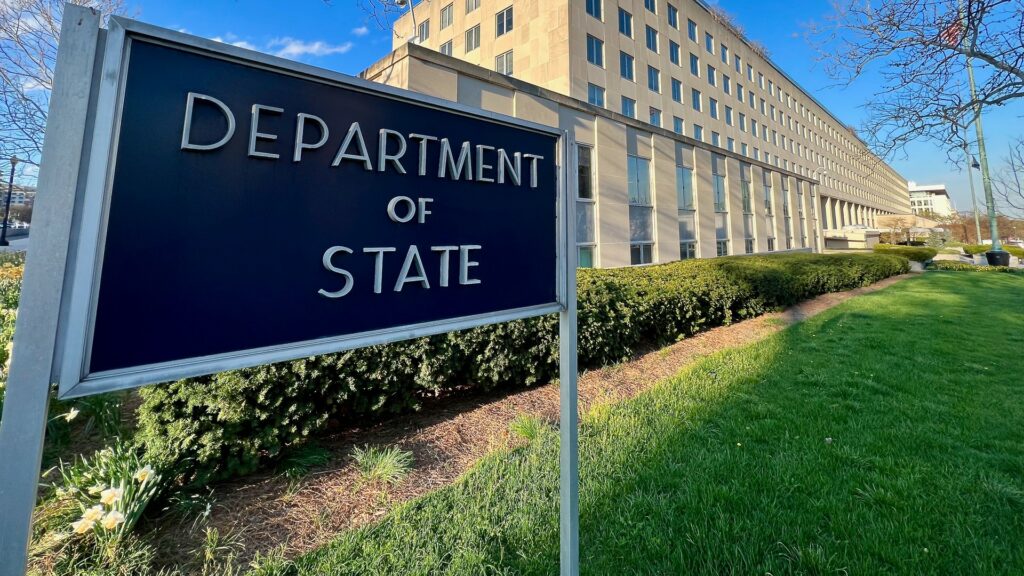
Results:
[252, 208]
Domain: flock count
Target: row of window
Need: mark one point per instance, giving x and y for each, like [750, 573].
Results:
[625, 18]
[641, 207]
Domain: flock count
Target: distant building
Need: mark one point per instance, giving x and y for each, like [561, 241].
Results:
[930, 199]
[20, 196]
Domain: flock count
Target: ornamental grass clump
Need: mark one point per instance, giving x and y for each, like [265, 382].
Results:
[386, 465]
[97, 501]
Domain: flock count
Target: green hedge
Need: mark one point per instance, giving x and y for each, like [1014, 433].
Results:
[973, 249]
[955, 266]
[915, 253]
[232, 423]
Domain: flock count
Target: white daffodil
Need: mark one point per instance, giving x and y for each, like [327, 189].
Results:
[96, 489]
[71, 414]
[112, 519]
[93, 514]
[111, 495]
[82, 526]
[144, 473]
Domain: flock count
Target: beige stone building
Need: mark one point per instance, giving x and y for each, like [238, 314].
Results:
[931, 199]
[691, 143]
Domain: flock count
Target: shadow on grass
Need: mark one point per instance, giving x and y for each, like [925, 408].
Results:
[879, 437]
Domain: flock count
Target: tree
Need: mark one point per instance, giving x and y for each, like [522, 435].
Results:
[920, 49]
[1009, 181]
[29, 31]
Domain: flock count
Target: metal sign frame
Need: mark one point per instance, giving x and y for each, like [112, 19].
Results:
[61, 272]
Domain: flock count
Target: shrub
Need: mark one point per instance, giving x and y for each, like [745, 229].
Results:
[234, 422]
[973, 249]
[954, 266]
[915, 253]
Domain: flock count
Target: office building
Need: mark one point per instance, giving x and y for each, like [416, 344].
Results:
[691, 142]
[930, 200]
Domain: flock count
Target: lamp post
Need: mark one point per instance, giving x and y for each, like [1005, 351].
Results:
[7, 204]
[972, 163]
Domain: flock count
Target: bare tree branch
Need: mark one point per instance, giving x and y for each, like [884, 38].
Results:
[919, 48]
[29, 31]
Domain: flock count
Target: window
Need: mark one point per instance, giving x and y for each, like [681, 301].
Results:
[594, 8]
[739, 92]
[695, 99]
[446, 16]
[743, 122]
[716, 139]
[652, 39]
[503, 63]
[726, 84]
[771, 244]
[472, 5]
[760, 80]
[713, 106]
[626, 66]
[709, 42]
[750, 73]
[728, 116]
[744, 150]
[446, 48]
[684, 185]
[712, 76]
[651, 5]
[677, 91]
[595, 51]
[684, 197]
[628, 107]
[718, 183]
[698, 132]
[695, 65]
[655, 116]
[745, 193]
[473, 38]
[691, 29]
[722, 247]
[625, 23]
[641, 210]
[677, 125]
[748, 245]
[730, 144]
[724, 51]
[595, 95]
[424, 32]
[766, 180]
[503, 22]
[653, 79]
[673, 52]
[738, 65]
[673, 17]
[586, 236]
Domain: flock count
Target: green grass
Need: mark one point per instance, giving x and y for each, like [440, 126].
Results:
[881, 437]
[387, 465]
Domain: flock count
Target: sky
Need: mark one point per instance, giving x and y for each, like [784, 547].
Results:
[340, 35]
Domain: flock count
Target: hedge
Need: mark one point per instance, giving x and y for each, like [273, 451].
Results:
[954, 266]
[973, 249]
[915, 253]
[232, 423]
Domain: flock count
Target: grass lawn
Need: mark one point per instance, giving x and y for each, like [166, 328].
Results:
[884, 436]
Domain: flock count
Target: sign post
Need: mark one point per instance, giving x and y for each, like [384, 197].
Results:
[397, 216]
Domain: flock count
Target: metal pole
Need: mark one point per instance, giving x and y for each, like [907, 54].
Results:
[986, 180]
[568, 453]
[7, 204]
[974, 198]
[23, 425]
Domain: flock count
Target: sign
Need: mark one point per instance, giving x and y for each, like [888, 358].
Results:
[203, 207]
[252, 211]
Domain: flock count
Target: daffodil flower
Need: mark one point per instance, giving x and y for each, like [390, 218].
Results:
[96, 489]
[82, 526]
[93, 514]
[71, 414]
[111, 495]
[112, 519]
[144, 473]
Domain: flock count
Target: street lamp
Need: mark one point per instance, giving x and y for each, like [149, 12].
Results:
[7, 204]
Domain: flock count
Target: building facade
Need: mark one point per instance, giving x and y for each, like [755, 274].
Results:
[930, 200]
[692, 144]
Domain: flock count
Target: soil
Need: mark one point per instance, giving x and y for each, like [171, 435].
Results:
[269, 512]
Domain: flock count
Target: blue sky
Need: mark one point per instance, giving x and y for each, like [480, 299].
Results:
[339, 35]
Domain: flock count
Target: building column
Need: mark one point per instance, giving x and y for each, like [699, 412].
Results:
[826, 214]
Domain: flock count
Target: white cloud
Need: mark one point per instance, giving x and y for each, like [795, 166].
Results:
[293, 48]
[244, 44]
[361, 31]
[33, 85]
